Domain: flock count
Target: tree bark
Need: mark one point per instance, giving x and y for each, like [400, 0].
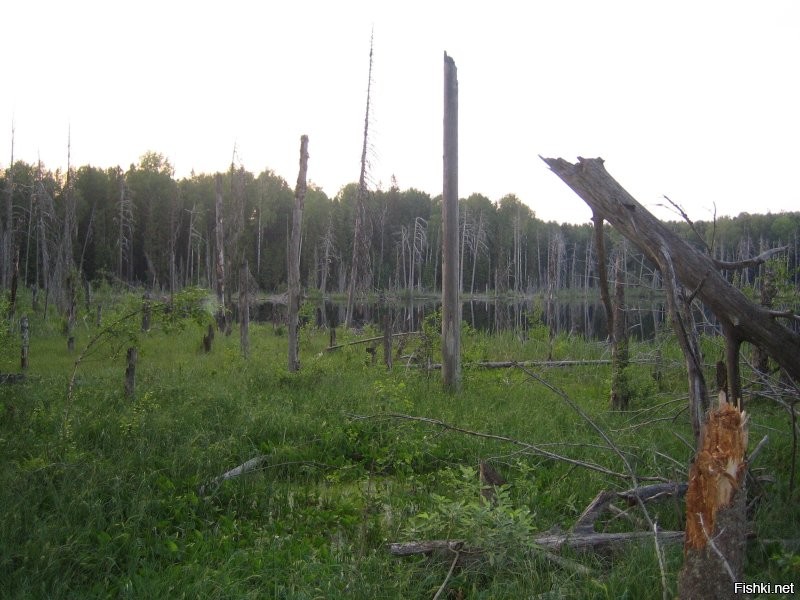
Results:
[130, 373]
[360, 240]
[620, 395]
[294, 257]
[220, 256]
[25, 334]
[716, 515]
[694, 269]
[451, 307]
[244, 309]
[387, 339]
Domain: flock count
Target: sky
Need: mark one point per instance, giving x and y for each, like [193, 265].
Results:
[696, 100]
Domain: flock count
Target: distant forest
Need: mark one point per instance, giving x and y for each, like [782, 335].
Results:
[142, 226]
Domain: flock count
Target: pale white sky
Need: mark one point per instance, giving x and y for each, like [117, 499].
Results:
[698, 100]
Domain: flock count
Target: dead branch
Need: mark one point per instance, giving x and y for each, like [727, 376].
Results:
[537, 450]
[443, 587]
[686, 218]
[750, 262]
[367, 340]
[608, 199]
[508, 364]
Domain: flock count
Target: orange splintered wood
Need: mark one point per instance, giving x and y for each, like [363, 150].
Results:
[717, 471]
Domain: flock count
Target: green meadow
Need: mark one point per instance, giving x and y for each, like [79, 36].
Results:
[104, 495]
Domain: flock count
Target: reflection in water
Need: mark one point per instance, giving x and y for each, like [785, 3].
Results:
[578, 317]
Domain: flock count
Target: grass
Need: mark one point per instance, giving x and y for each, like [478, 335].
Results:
[100, 494]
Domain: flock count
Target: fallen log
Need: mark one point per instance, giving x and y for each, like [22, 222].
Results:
[578, 542]
[581, 538]
[507, 364]
[367, 340]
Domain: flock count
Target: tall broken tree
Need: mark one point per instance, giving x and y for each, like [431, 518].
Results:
[294, 257]
[451, 307]
[7, 239]
[715, 505]
[359, 265]
[222, 316]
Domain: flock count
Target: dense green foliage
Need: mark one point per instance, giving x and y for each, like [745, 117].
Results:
[145, 226]
[104, 496]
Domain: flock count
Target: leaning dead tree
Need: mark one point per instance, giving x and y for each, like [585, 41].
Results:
[220, 255]
[715, 503]
[294, 257]
[359, 265]
[683, 266]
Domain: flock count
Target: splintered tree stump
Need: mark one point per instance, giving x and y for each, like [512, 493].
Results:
[716, 515]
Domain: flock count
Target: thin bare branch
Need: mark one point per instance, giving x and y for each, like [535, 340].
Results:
[750, 262]
[532, 448]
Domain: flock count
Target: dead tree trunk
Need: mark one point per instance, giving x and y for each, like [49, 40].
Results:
[130, 373]
[71, 311]
[294, 257]
[360, 258]
[25, 334]
[620, 395]
[220, 256]
[451, 307]
[244, 309]
[615, 318]
[387, 339]
[8, 226]
[680, 263]
[716, 515]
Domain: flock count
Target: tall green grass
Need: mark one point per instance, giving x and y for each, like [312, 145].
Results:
[100, 495]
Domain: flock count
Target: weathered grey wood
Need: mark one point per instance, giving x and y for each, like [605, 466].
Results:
[244, 309]
[451, 307]
[294, 257]
[579, 542]
[698, 272]
[387, 340]
[620, 394]
[220, 256]
[364, 341]
[360, 256]
[25, 334]
[130, 373]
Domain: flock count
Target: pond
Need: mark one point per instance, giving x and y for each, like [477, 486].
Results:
[584, 317]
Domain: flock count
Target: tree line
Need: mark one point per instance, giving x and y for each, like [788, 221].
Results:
[144, 227]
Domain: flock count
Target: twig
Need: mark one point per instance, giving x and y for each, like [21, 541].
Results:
[534, 449]
[365, 340]
[686, 218]
[631, 474]
[716, 550]
[750, 262]
[449, 574]
[757, 450]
